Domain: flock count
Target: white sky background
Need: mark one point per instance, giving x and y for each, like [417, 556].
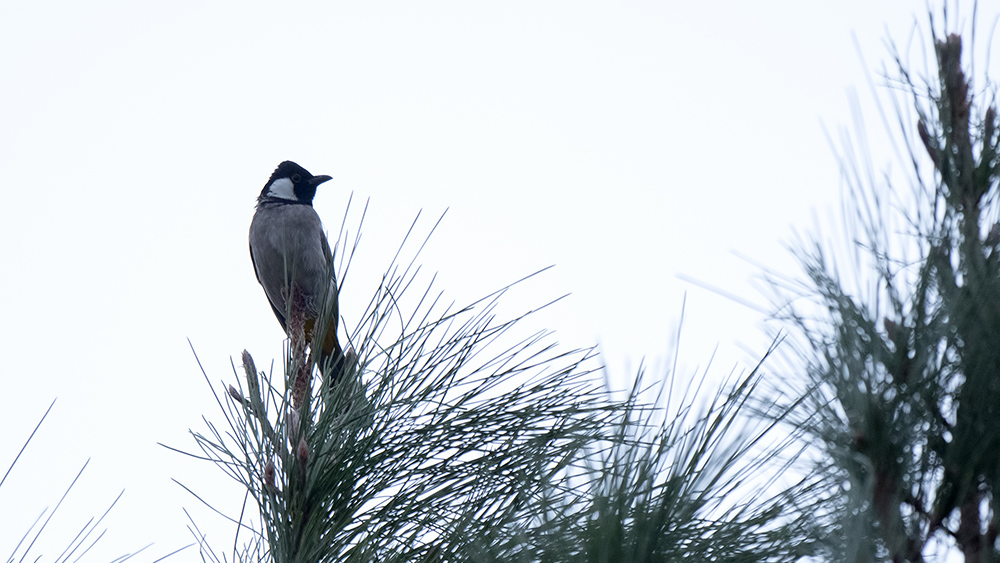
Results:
[626, 143]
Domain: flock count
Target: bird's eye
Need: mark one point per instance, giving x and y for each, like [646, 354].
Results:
[296, 178]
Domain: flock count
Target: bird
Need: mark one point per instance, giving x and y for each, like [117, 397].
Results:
[291, 257]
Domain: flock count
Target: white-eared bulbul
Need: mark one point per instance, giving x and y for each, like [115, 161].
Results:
[291, 255]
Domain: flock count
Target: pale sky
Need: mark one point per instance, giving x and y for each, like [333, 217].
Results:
[627, 143]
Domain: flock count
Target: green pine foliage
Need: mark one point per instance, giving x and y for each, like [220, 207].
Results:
[35, 544]
[901, 395]
[453, 437]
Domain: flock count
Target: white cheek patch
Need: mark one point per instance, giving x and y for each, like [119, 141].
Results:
[282, 188]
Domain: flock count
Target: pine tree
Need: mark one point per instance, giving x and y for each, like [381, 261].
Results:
[903, 394]
[452, 438]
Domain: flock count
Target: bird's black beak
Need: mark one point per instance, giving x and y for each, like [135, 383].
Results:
[317, 180]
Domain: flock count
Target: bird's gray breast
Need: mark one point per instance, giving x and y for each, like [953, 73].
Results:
[288, 246]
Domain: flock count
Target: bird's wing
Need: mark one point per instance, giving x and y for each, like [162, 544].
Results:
[328, 254]
[331, 346]
[277, 313]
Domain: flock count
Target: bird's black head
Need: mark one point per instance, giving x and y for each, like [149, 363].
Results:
[291, 183]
